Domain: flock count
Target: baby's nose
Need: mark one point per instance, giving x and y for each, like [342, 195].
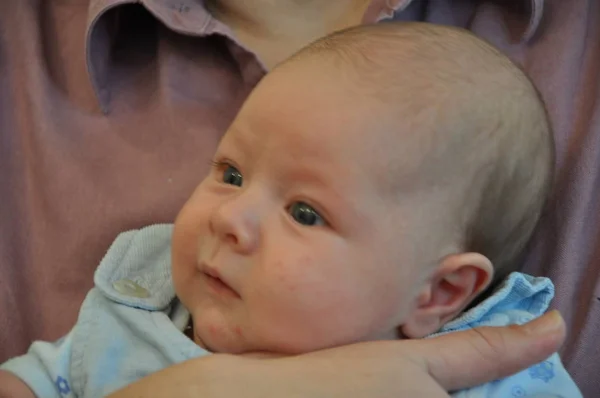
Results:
[237, 223]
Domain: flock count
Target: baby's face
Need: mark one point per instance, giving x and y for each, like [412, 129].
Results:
[295, 242]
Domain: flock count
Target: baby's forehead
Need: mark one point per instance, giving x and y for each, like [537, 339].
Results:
[394, 123]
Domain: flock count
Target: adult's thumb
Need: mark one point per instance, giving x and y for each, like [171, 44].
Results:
[470, 358]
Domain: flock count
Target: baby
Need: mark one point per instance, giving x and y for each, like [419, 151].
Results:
[378, 185]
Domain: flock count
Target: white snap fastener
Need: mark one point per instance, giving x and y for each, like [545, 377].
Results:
[130, 288]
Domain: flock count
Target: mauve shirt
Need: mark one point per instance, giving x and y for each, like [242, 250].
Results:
[110, 111]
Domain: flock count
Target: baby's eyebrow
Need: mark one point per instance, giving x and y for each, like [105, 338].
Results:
[236, 145]
[235, 137]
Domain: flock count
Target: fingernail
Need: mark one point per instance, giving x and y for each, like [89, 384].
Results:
[550, 323]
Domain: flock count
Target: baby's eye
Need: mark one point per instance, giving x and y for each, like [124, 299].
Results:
[232, 176]
[304, 214]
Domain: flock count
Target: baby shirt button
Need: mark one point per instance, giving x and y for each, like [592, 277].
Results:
[130, 288]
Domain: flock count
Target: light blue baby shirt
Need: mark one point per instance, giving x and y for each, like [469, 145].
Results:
[131, 323]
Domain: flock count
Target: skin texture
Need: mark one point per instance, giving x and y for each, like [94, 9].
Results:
[406, 368]
[361, 274]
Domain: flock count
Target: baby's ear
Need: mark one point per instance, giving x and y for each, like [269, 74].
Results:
[457, 281]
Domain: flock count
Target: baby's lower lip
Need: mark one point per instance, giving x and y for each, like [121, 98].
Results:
[219, 287]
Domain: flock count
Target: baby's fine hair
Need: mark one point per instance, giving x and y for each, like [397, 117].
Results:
[485, 114]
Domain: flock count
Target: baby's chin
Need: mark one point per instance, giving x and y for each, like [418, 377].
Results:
[217, 345]
[221, 339]
[228, 344]
[238, 348]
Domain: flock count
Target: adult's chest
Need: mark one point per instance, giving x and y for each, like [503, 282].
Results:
[95, 143]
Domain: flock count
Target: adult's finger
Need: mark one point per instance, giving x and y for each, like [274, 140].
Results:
[473, 357]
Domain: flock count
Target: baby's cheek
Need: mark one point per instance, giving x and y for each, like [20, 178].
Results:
[293, 276]
[303, 305]
[308, 285]
[218, 331]
[238, 331]
[215, 331]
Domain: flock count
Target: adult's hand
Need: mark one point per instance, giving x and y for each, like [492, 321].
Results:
[408, 368]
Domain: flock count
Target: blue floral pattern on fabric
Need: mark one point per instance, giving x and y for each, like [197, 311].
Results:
[542, 371]
[518, 391]
[62, 385]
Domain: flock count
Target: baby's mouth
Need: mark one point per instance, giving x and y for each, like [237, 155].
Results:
[216, 283]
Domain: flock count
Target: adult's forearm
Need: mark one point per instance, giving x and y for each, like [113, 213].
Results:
[201, 377]
[11, 386]
[407, 368]
[307, 376]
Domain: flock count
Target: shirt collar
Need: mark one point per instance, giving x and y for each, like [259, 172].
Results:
[136, 269]
[385, 9]
[517, 300]
[190, 17]
[535, 18]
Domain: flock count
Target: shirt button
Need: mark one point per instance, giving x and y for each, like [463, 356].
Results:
[130, 288]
